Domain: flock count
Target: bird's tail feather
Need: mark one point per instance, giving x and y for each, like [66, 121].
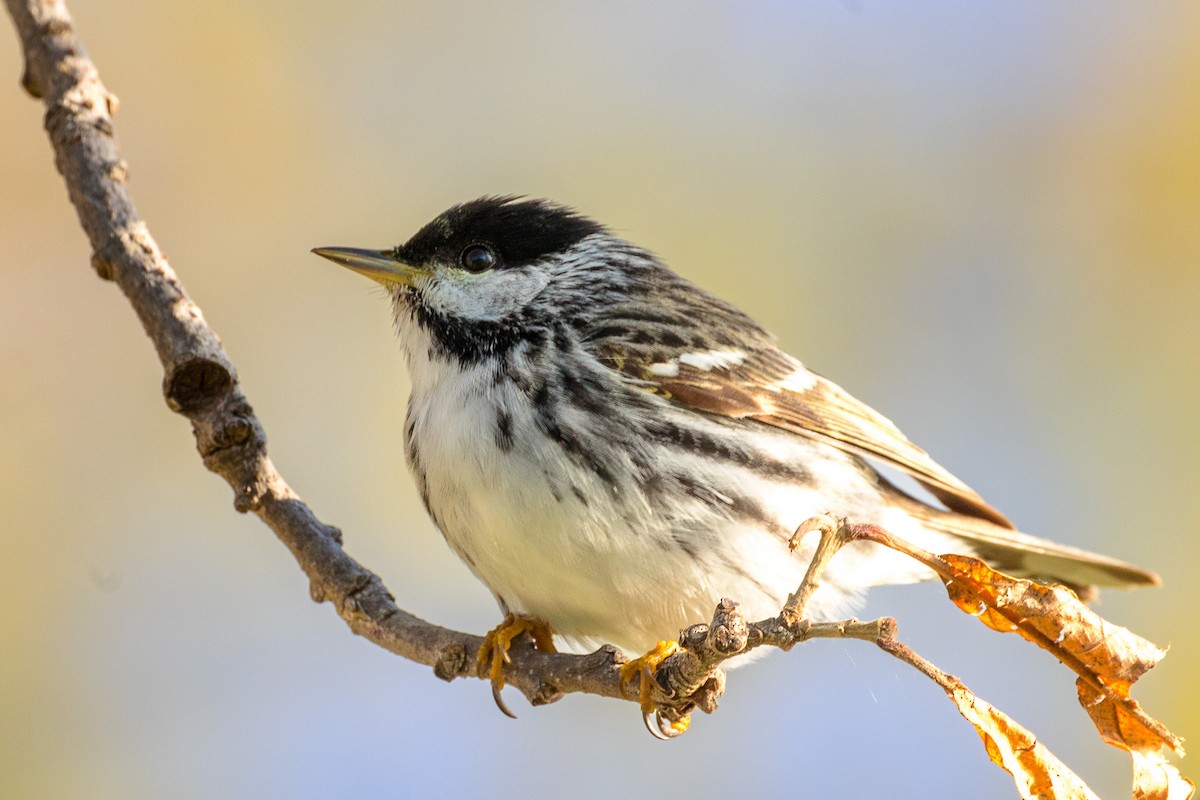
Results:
[1028, 556]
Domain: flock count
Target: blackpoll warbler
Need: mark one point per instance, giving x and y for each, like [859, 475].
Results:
[611, 449]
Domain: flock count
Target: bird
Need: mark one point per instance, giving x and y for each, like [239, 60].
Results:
[612, 450]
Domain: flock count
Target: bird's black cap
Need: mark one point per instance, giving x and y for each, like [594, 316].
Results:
[518, 230]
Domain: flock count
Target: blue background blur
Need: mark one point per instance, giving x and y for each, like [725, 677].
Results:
[983, 219]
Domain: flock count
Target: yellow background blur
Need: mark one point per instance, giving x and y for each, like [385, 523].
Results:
[983, 219]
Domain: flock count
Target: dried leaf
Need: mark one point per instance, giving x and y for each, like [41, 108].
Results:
[1036, 771]
[1123, 724]
[1120, 719]
[1051, 617]
[1154, 778]
[1107, 658]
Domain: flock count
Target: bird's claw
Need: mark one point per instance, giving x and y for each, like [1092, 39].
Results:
[643, 668]
[493, 653]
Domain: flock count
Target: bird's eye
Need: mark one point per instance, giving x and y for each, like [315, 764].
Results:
[477, 258]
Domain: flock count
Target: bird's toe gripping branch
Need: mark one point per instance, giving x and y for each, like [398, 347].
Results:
[643, 668]
[493, 653]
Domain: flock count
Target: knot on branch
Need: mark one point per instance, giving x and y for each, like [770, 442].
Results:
[726, 636]
[692, 678]
[29, 83]
[48, 28]
[362, 597]
[104, 257]
[195, 384]
[232, 443]
[64, 118]
[452, 662]
[234, 428]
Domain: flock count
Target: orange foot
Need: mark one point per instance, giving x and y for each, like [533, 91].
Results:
[644, 668]
[493, 653]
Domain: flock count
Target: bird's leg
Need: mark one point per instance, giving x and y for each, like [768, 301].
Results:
[834, 532]
[644, 668]
[493, 653]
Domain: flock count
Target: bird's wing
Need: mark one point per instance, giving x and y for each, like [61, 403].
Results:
[765, 384]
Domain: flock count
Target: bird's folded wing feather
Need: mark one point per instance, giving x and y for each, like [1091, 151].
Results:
[765, 384]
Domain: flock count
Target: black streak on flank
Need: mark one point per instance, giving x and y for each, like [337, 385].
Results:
[585, 393]
[740, 570]
[562, 338]
[504, 438]
[500, 372]
[542, 399]
[739, 507]
[702, 443]
[682, 540]
[574, 446]
[545, 400]
[749, 509]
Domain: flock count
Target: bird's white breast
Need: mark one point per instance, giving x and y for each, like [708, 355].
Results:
[516, 517]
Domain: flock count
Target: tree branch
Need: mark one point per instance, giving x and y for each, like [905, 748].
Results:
[200, 382]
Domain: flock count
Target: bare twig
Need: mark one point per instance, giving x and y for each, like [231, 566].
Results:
[201, 383]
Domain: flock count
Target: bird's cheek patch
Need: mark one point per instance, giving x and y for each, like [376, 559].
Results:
[487, 297]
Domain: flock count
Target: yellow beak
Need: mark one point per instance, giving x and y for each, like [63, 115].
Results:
[380, 266]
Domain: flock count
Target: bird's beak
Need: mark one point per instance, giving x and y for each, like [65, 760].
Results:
[380, 266]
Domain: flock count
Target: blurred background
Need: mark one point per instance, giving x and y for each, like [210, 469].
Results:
[983, 219]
